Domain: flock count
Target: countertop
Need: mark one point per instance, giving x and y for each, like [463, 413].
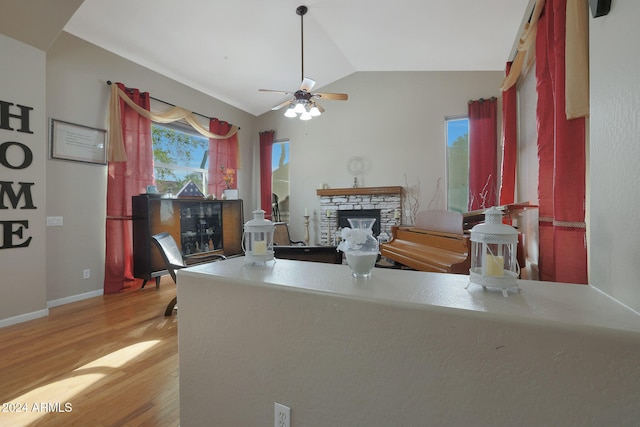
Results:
[541, 303]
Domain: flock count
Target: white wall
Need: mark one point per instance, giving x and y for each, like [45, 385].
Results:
[77, 72]
[615, 153]
[393, 119]
[22, 281]
[402, 348]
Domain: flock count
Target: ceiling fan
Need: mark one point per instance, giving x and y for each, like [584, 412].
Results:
[304, 102]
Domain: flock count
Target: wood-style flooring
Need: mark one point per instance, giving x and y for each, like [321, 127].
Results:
[105, 361]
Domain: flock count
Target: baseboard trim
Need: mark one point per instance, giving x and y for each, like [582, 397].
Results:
[50, 304]
[24, 318]
[74, 298]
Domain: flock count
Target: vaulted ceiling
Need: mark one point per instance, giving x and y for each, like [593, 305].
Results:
[230, 49]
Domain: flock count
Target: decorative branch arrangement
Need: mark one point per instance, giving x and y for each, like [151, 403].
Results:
[411, 203]
[484, 194]
[435, 195]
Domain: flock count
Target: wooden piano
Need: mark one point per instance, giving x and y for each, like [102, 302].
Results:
[427, 250]
[437, 243]
[440, 240]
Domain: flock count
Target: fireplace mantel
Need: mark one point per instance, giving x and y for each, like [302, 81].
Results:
[359, 191]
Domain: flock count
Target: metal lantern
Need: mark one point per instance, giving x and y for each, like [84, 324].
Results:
[257, 239]
[494, 263]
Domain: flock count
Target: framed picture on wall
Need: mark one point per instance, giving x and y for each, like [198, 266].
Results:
[78, 143]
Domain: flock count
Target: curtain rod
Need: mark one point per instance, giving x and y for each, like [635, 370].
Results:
[481, 100]
[172, 105]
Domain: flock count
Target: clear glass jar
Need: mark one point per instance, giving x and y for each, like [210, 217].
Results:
[359, 246]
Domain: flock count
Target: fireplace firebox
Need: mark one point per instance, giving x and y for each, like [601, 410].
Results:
[344, 214]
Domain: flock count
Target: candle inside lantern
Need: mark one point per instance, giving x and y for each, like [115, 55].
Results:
[494, 265]
[260, 247]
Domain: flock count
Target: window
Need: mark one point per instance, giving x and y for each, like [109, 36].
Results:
[280, 180]
[180, 155]
[457, 136]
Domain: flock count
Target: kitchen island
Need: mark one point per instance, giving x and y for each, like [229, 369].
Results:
[400, 348]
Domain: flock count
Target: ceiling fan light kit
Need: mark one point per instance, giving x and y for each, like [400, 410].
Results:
[305, 116]
[304, 101]
[299, 108]
[290, 112]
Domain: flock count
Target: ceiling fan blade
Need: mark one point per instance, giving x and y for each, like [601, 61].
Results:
[307, 84]
[279, 106]
[333, 96]
[276, 91]
[318, 106]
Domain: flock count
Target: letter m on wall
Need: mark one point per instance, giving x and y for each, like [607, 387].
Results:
[24, 193]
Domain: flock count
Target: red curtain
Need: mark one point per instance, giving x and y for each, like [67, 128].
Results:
[483, 164]
[509, 143]
[124, 180]
[562, 159]
[223, 155]
[266, 145]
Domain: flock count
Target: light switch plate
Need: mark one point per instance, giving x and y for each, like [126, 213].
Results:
[54, 221]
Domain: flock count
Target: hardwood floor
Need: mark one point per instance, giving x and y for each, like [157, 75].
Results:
[105, 361]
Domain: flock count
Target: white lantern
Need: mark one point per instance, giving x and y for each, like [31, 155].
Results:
[257, 239]
[494, 263]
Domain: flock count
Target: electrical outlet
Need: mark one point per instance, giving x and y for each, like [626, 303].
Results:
[86, 273]
[282, 416]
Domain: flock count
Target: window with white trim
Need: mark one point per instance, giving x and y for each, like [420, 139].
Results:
[457, 140]
[180, 155]
[280, 180]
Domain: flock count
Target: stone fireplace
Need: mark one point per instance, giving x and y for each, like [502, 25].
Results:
[382, 201]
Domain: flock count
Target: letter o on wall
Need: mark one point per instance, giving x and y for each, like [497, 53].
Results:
[27, 156]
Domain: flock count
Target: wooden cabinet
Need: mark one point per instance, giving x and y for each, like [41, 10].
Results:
[200, 227]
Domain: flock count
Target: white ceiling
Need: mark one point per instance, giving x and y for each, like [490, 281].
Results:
[230, 49]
